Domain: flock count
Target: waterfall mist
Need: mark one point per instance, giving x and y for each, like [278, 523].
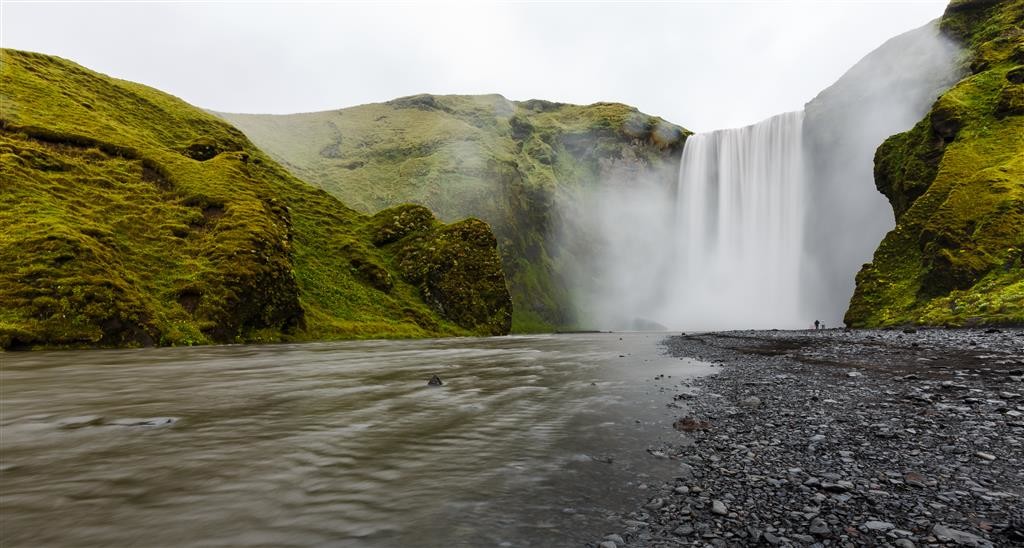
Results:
[616, 235]
[765, 226]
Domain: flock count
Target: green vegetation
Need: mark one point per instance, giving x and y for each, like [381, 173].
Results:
[956, 184]
[506, 162]
[132, 218]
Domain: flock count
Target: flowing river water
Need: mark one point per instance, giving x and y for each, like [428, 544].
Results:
[532, 440]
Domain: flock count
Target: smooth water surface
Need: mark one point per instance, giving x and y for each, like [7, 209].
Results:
[531, 441]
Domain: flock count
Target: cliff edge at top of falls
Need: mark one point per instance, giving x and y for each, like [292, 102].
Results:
[956, 185]
[510, 163]
[133, 218]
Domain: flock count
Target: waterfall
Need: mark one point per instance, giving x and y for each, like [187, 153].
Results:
[739, 228]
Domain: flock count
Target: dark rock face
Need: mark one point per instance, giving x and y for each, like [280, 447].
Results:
[204, 148]
[1015, 75]
[903, 177]
[254, 290]
[1011, 101]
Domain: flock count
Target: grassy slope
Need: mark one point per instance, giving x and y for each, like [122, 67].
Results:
[131, 217]
[505, 162]
[956, 183]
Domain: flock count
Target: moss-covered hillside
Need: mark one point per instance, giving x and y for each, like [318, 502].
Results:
[956, 185]
[132, 218]
[506, 162]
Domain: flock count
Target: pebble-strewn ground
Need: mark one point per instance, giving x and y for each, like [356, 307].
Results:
[843, 438]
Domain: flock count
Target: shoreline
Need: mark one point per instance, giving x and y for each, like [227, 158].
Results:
[910, 437]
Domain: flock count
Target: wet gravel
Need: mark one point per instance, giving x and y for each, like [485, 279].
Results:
[842, 438]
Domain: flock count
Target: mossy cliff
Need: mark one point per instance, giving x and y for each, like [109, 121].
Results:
[509, 163]
[132, 218]
[956, 185]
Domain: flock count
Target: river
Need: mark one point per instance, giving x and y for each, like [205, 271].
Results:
[532, 441]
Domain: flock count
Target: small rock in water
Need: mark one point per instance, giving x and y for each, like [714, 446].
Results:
[434, 381]
[156, 421]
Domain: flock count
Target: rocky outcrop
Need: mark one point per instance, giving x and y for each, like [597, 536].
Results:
[456, 267]
[956, 255]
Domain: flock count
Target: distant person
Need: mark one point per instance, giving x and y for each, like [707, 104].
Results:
[817, 325]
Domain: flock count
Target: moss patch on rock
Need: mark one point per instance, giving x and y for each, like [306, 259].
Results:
[456, 267]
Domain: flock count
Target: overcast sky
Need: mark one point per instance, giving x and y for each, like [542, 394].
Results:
[704, 65]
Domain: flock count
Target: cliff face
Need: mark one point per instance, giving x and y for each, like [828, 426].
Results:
[956, 185]
[132, 218]
[509, 163]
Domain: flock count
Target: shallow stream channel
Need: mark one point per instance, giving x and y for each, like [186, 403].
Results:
[531, 441]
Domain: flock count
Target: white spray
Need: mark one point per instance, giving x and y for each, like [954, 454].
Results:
[739, 228]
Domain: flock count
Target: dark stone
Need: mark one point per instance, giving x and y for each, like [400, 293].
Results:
[690, 424]
[1016, 75]
[1011, 101]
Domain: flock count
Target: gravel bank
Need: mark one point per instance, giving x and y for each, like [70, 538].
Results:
[843, 438]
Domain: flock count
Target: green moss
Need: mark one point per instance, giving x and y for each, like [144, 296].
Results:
[133, 218]
[456, 268]
[483, 156]
[954, 181]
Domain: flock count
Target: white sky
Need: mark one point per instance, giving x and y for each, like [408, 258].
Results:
[700, 64]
